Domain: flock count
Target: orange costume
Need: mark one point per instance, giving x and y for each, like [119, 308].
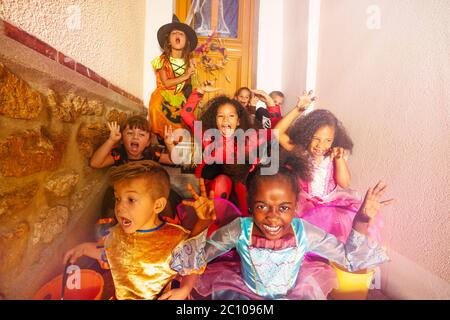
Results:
[166, 103]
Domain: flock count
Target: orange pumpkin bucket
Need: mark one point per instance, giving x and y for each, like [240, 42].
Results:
[90, 287]
[352, 285]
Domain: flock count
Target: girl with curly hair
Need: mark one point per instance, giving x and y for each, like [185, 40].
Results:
[325, 199]
[226, 116]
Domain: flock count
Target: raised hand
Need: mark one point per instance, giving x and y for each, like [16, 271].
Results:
[305, 100]
[264, 97]
[189, 72]
[114, 134]
[208, 87]
[372, 204]
[203, 206]
[254, 100]
[337, 153]
[193, 63]
[169, 138]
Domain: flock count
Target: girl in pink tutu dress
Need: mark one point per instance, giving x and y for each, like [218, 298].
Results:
[325, 200]
[272, 245]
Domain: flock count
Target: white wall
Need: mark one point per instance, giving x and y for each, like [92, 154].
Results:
[295, 50]
[283, 47]
[390, 87]
[108, 38]
[158, 13]
[270, 45]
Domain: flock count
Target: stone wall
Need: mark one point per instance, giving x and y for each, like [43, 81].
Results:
[51, 121]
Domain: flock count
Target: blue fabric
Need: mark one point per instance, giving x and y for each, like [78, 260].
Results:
[270, 273]
[151, 230]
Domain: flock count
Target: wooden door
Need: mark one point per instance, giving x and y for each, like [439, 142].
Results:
[238, 69]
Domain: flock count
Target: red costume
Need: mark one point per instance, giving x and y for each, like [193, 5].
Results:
[223, 177]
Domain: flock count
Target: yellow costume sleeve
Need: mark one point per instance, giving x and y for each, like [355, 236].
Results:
[157, 63]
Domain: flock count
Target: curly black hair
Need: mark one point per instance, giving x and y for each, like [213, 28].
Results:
[209, 116]
[292, 164]
[237, 171]
[303, 129]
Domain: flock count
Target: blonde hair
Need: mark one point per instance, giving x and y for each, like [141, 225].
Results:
[156, 176]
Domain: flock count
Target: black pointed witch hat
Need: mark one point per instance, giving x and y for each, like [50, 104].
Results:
[177, 25]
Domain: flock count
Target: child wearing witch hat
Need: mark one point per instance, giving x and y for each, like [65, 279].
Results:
[173, 70]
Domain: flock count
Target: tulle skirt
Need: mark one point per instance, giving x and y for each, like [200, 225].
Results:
[335, 213]
[222, 280]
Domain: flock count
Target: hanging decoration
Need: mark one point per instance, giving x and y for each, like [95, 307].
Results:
[211, 56]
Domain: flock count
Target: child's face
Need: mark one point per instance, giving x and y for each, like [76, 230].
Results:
[244, 97]
[321, 141]
[279, 100]
[135, 141]
[227, 119]
[135, 208]
[177, 39]
[273, 208]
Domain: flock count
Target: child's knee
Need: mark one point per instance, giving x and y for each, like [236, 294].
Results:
[222, 185]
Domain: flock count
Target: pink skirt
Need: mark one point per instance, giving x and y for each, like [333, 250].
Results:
[223, 280]
[335, 212]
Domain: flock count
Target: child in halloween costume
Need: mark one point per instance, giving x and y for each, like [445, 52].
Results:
[226, 116]
[129, 143]
[245, 96]
[138, 250]
[278, 97]
[326, 200]
[272, 245]
[173, 72]
[266, 117]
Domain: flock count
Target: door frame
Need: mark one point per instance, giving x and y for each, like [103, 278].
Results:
[248, 35]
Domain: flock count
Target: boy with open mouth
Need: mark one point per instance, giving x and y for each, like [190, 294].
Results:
[138, 249]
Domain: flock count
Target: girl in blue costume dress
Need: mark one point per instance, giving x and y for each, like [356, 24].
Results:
[272, 245]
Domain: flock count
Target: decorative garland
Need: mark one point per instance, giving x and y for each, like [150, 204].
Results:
[202, 54]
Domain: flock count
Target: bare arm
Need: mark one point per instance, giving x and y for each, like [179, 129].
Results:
[359, 252]
[204, 208]
[88, 249]
[264, 97]
[342, 172]
[370, 208]
[102, 157]
[181, 293]
[169, 141]
[283, 125]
